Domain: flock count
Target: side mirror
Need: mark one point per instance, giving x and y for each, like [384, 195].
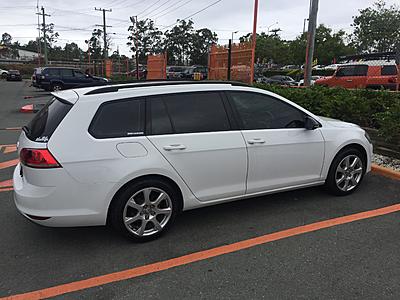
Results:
[310, 123]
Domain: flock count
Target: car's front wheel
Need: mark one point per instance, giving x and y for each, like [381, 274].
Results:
[346, 172]
[56, 87]
[145, 210]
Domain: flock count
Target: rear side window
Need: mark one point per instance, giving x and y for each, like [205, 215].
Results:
[389, 70]
[122, 118]
[196, 112]
[160, 121]
[46, 120]
[53, 72]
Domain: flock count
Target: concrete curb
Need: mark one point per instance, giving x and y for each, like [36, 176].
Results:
[383, 171]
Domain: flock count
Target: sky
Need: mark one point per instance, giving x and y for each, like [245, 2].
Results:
[74, 20]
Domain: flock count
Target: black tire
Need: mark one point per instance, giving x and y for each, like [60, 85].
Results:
[117, 212]
[56, 86]
[331, 180]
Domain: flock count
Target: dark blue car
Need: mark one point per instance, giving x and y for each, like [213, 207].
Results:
[60, 78]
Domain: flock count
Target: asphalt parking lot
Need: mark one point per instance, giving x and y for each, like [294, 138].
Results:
[353, 257]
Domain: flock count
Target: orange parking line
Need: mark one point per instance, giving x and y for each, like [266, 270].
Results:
[198, 256]
[9, 163]
[6, 183]
[6, 189]
[9, 149]
[383, 171]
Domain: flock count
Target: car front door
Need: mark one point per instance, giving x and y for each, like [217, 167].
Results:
[81, 78]
[195, 135]
[281, 152]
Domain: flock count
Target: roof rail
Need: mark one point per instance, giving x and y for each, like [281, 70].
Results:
[116, 88]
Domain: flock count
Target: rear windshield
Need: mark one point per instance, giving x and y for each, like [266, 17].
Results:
[13, 72]
[46, 120]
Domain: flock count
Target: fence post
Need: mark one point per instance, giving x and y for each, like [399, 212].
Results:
[229, 59]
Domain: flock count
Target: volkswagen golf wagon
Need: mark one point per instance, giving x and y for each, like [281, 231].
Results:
[135, 155]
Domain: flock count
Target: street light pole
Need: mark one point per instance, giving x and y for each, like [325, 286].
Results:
[253, 41]
[234, 32]
[312, 26]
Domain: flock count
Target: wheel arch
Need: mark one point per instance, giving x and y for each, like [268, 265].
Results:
[142, 178]
[352, 145]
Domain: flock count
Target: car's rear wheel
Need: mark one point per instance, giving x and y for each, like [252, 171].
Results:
[346, 172]
[56, 87]
[145, 210]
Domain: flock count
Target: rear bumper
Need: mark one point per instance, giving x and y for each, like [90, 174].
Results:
[66, 204]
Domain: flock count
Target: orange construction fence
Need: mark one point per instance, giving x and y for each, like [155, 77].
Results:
[240, 62]
[157, 66]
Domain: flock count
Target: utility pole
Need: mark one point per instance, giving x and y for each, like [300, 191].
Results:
[253, 41]
[134, 21]
[44, 15]
[38, 41]
[312, 27]
[229, 60]
[105, 51]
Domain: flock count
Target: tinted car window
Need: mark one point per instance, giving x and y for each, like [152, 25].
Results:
[46, 120]
[118, 119]
[66, 72]
[389, 70]
[53, 72]
[79, 74]
[360, 70]
[257, 111]
[160, 121]
[196, 112]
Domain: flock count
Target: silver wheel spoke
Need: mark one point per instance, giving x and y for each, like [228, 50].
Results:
[347, 162]
[358, 171]
[353, 181]
[160, 198]
[346, 185]
[355, 162]
[146, 194]
[130, 220]
[142, 227]
[157, 224]
[163, 211]
[134, 205]
[341, 179]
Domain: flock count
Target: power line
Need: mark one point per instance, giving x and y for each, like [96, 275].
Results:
[157, 8]
[149, 7]
[170, 10]
[195, 13]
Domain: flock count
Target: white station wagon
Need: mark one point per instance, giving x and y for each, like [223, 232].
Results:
[135, 155]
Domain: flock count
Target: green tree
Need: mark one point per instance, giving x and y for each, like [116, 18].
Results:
[328, 45]
[270, 48]
[200, 42]
[145, 38]
[377, 28]
[6, 39]
[94, 44]
[178, 42]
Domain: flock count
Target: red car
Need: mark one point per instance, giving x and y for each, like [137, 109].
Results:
[366, 74]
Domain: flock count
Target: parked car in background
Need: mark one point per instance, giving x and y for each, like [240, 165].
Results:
[14, 75]
[135, 155]
[3, 73]
[312, 81]
[190, 71]
[290, 67]
[142, 73]
[364, 74]
[279, 79]
[318, 67]
[176, 72]
[60, 78]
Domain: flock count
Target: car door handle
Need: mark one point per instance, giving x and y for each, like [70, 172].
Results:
[174, 147]
[256, 141]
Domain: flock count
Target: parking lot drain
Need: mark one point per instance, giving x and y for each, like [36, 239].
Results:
[201, 255]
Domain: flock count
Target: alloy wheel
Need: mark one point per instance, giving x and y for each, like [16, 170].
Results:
[147, 211]
[349, 173]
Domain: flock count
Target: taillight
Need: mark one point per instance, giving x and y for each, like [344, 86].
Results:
[38, 158]
[392, 79]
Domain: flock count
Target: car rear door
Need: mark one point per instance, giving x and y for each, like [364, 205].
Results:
[281, 152]
[194, 133]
